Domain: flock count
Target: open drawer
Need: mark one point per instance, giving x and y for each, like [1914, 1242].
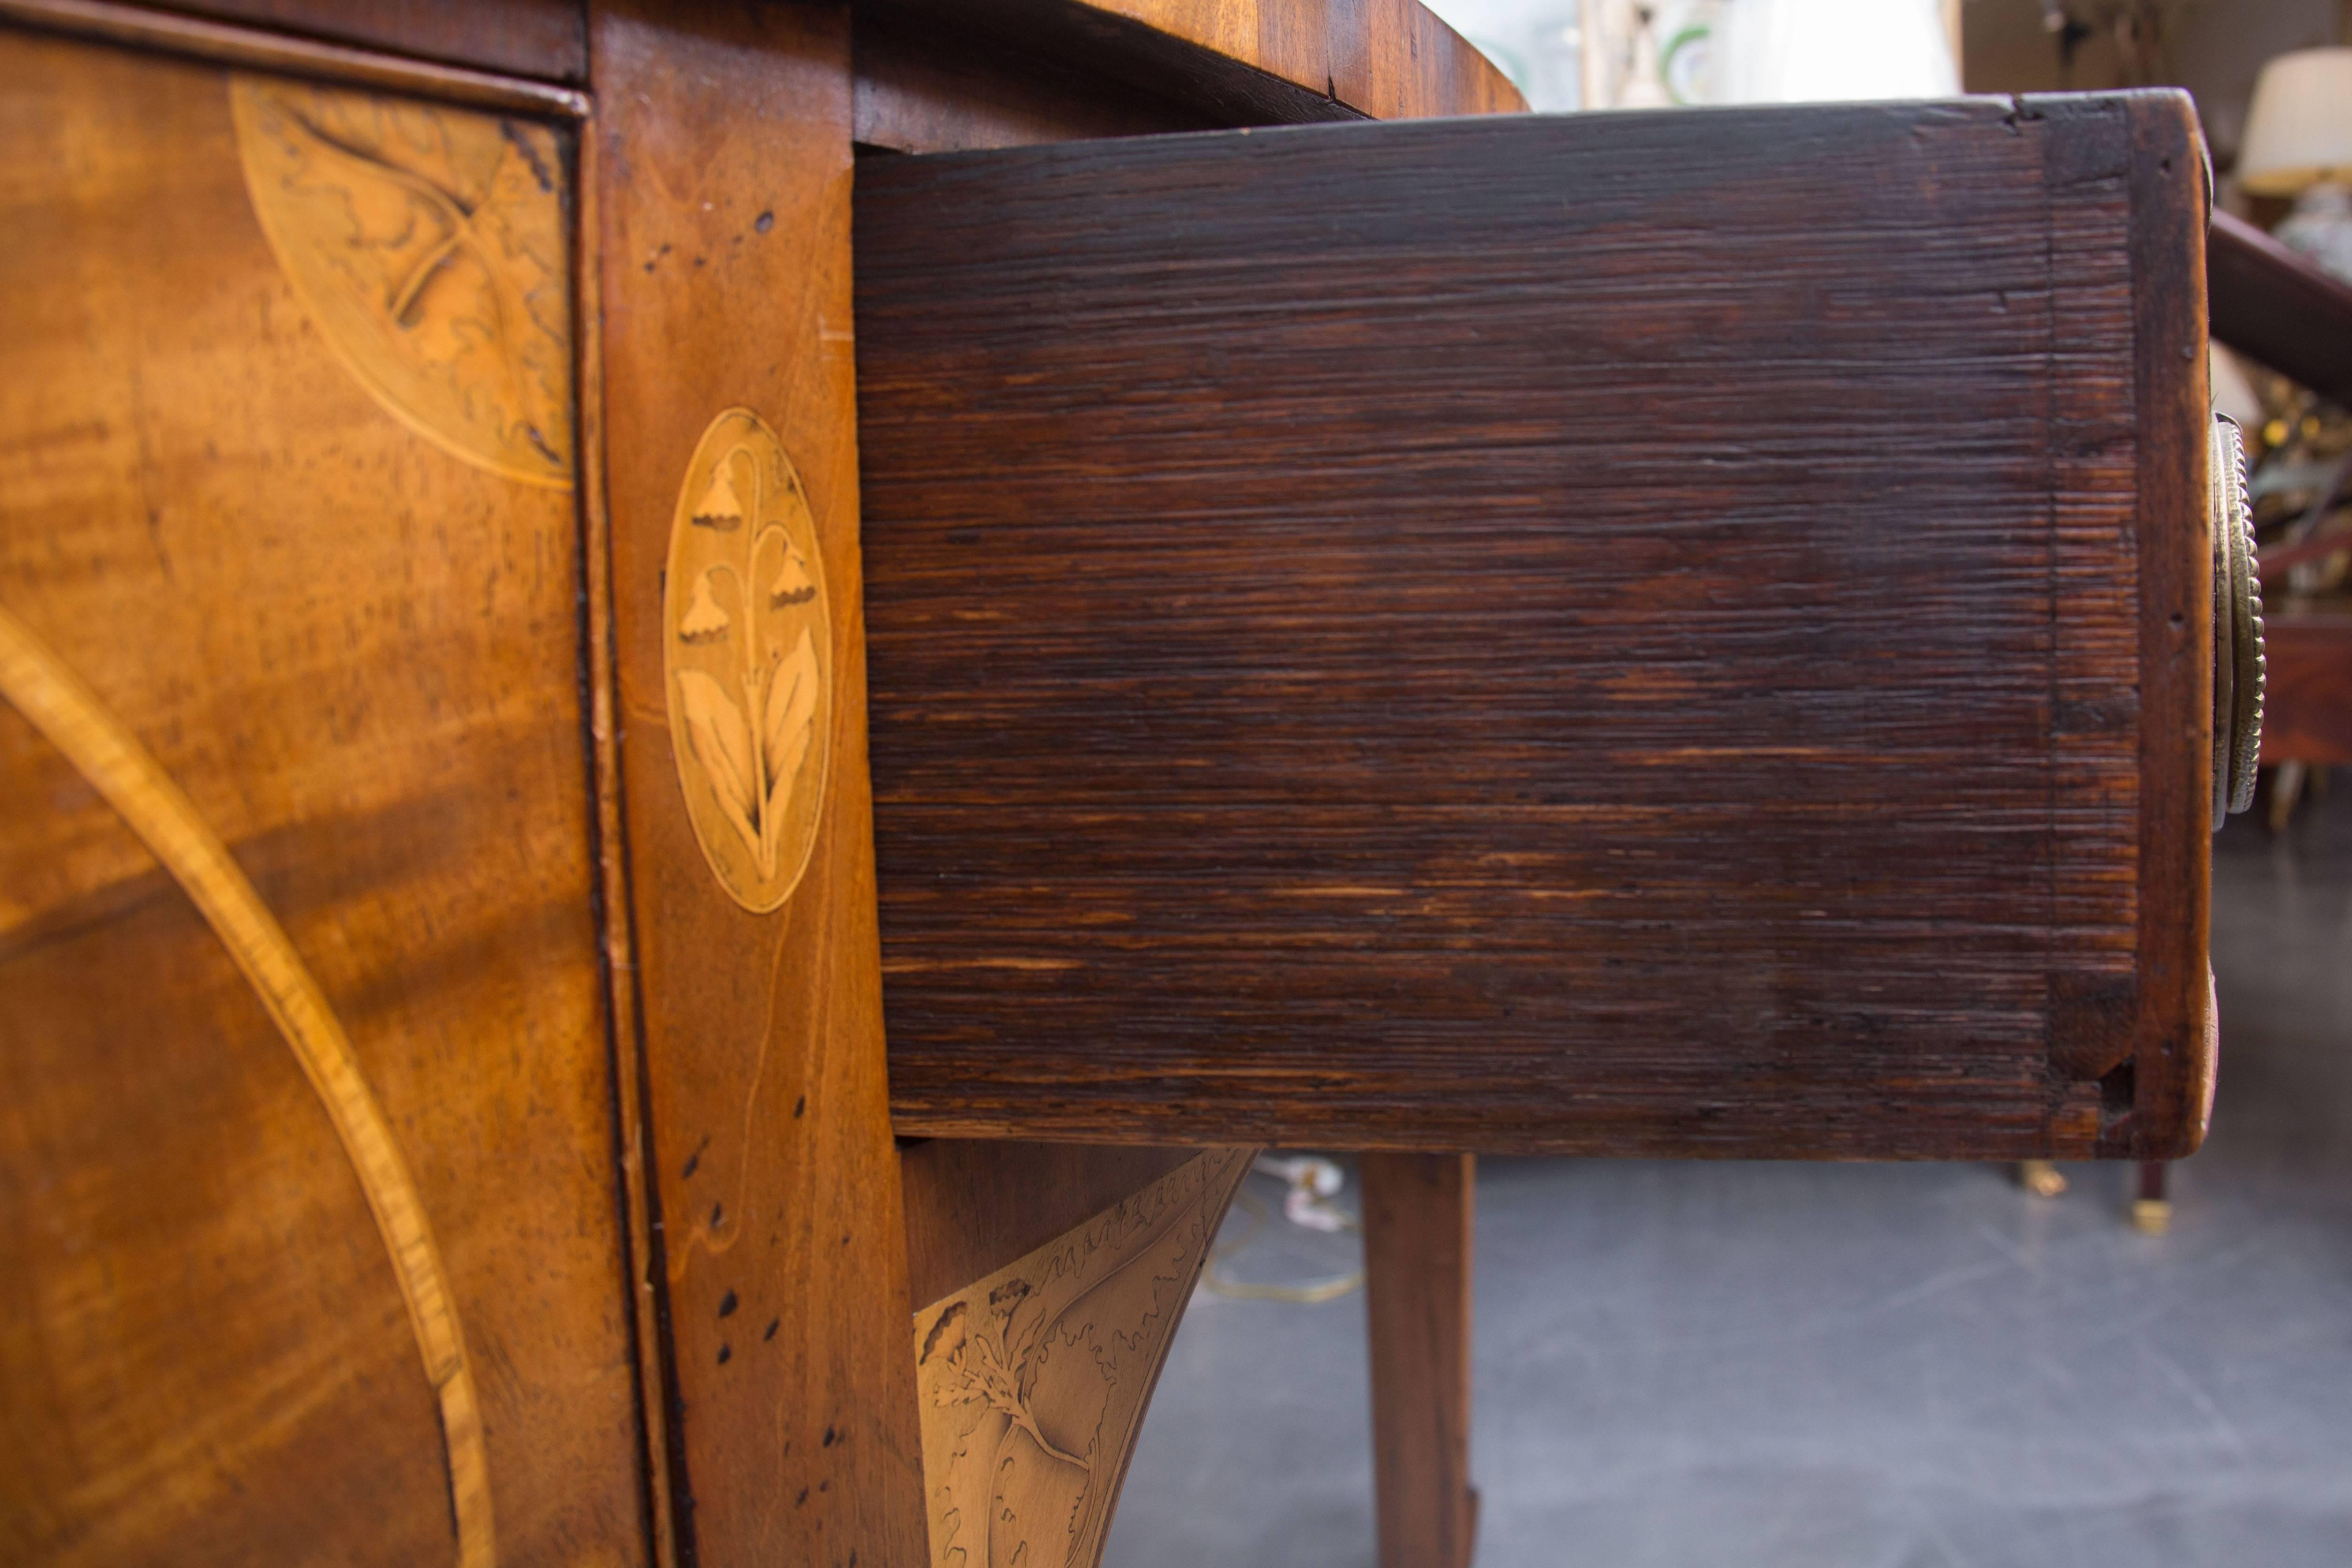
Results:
[1680, 634]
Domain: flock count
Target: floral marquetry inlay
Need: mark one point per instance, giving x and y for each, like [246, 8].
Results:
[1034, 1380]
[748, 649]
[428, 244]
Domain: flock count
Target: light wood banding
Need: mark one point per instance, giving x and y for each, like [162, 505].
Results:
[41, 687]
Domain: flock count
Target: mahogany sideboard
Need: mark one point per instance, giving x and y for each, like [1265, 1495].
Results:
[704, 709]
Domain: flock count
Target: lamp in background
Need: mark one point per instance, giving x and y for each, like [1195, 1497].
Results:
[2299, 143]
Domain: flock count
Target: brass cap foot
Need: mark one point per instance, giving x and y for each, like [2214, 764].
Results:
[2041, 1178]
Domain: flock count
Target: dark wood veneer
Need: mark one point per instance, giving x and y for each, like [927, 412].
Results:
[1660, 633]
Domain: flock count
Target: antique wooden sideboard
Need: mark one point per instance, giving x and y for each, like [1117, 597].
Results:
[705, 707]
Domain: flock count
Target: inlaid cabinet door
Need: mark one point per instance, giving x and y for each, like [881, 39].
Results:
[307, 1158]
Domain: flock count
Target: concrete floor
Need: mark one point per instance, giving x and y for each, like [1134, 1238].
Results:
[1865, 1366]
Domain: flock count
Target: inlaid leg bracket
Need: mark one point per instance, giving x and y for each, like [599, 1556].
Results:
[1034, 1380]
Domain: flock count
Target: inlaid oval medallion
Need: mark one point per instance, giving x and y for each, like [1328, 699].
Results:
[428, 246]
[747, 650]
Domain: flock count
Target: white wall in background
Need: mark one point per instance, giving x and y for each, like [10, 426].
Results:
[1537, 44]
[1710, 51]
[1800, 51]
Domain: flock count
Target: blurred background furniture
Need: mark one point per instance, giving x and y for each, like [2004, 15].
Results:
[2299, 143]
[2280, 309]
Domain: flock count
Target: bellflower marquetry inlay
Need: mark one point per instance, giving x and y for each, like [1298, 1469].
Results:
[748, 651]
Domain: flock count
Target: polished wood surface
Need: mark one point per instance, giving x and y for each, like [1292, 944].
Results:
[934, 75]
[305, 1186]
[1418, 1224]
[1385, 59]
[1370, 651]
[544, 38]
[2276, 305]
[940, 80]
[973, 1206]
[723, 158]
[624, 1017]
[198, 37]
[2155, 1061]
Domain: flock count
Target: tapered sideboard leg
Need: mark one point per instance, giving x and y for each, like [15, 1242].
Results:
[2151, 1209]
[1417, 1217]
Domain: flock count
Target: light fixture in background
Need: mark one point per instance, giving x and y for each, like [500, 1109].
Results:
[2299, 143]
